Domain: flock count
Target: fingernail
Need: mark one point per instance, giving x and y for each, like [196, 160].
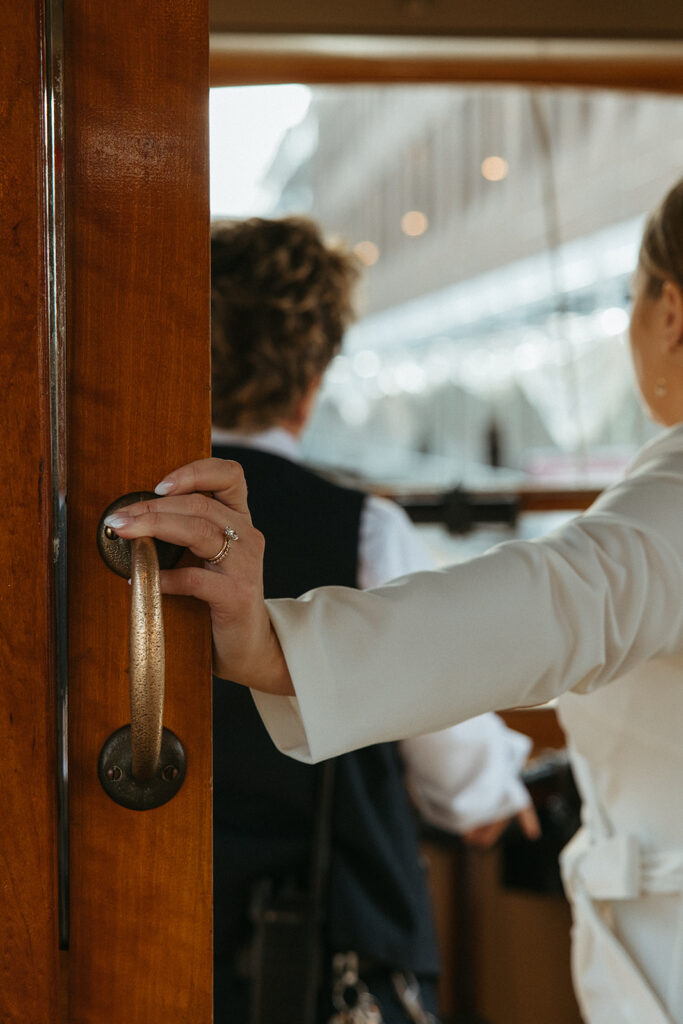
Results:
[165, 487]
[116, 519]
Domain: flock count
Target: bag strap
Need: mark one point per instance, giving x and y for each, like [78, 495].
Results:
[321, 853]
[322, 839]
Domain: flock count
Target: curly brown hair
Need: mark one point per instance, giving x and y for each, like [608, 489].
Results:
[661, 250]
[280, 303]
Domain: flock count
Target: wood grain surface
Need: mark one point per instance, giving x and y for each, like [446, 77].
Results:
[540, 724]
[138, 391]
[562, 19]
[240, 67]
[28, 860]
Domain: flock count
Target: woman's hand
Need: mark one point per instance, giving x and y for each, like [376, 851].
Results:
[486, 836]
[199, 501]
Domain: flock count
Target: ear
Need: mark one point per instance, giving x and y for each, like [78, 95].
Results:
[672, 316]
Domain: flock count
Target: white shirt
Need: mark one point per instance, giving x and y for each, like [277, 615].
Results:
[461, 777]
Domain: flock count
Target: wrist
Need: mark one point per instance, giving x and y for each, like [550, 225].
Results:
[270, 673]
[262, 665]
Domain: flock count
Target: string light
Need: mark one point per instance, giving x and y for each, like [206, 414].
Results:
[367, 253]
[366, 363]
[414, 223]
[494, 168]
[614, 320]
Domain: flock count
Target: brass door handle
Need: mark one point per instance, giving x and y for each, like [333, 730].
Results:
[141, 765]
[147, 664]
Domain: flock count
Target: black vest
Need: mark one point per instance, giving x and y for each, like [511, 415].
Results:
[264, 802]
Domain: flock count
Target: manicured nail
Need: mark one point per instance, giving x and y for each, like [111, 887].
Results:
[117, 519]
[165, 487]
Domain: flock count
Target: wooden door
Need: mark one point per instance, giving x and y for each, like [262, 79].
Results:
[28, 836]
[137, 934]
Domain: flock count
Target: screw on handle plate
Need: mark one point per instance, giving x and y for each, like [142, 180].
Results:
[115, 771]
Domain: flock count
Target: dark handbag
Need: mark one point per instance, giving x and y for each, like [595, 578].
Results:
[535, 867]
[288, 922]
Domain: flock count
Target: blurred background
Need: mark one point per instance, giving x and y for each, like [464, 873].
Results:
[498, 227]
[486, 383]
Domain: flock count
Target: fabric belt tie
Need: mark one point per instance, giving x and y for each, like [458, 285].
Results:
[610, 985]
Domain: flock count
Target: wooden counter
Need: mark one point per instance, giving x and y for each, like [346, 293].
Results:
[505, 953]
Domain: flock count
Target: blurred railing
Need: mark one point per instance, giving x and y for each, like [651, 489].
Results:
[461, 511]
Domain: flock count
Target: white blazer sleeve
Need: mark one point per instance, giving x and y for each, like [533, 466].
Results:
[517, 626]
[468, 775]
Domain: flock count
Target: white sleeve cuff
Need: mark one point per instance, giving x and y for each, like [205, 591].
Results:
[282, 718]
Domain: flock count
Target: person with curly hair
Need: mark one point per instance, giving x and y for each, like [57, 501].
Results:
[281, 300]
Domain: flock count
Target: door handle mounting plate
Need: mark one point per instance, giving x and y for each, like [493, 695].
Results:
[115, 771]
[115, 551]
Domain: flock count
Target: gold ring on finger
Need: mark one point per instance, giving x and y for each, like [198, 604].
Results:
[217, 559]
[229, 535]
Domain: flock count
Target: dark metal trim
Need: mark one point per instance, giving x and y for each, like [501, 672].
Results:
[115, 771]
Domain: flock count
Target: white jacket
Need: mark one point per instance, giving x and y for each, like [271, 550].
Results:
[598, 602]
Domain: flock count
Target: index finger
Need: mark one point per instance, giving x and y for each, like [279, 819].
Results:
[223, 477]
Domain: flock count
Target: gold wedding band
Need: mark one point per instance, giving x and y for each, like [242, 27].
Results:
[221, 554]
[229, 535]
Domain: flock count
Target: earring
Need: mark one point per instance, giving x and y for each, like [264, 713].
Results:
[660, 387]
